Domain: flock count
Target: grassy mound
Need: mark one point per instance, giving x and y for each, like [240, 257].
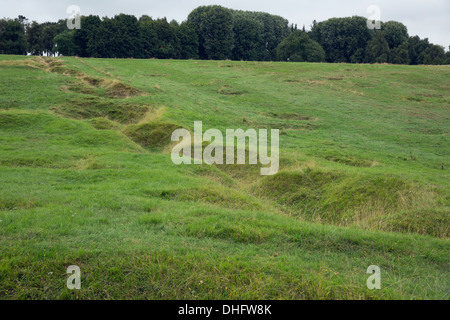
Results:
[373, 201]
[215, 195]
[75, 190]
[88, 162]
[427, 221]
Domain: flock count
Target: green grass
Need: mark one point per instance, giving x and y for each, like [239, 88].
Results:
[86, 179]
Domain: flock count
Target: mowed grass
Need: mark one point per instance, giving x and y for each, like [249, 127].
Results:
[86, 179]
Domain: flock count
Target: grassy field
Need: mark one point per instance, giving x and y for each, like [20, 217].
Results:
[86, 179]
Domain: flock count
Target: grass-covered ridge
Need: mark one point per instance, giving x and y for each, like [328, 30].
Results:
[86, 178]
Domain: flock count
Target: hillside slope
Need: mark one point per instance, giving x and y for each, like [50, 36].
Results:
[86, 179]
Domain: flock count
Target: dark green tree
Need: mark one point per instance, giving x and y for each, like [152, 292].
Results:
[395, 33]
[149, 38]
[248, 42]
[117, 37]
[12, 37]
[275, 29]
[416, 47]
[168, 44]
[34, 39]
[215, 32]
[377, 50]
[214, 27]
[400, 55]
[433, 55]
[65, 44]
[447, 56]
[358, 56]
[85, 38]
[299, 47]
[49, 31]
[188, 40]
[343, 39]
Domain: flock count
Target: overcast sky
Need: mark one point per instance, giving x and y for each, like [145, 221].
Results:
[426, 18]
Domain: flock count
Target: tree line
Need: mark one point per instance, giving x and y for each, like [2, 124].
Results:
[218, 33]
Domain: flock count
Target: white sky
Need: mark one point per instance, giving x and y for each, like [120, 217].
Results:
[426, 18]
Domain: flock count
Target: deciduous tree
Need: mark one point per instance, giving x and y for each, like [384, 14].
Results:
[299, 47]
[12, 37]
[377, 50]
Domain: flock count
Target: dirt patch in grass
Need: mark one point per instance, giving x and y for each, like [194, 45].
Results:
[156, 75]
[64, 70]
[90, 108]
[230, 91]
[151, 135]
[9, 105]
[86, 84]
[284, 125]
[293, 80]
[226, 66]
[35, 63]
[282, 121]
[80, 88]
[26, 162]
[18, 204]
[54, 65]
[351, 161]
[119, 90]
[88, 163]
[335, 78]
[429, 131]
[289, 116]
[95, 82]
[100, 87]
[428, 98]
[415, 98]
